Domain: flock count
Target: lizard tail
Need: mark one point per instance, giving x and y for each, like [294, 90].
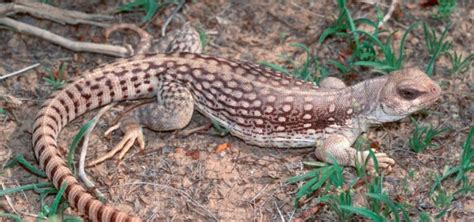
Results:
[96, 89]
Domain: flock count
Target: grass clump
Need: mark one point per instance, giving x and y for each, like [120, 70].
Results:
[150, 7]
[422, 137]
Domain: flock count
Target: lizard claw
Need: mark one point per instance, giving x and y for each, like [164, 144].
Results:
[133, 132]
[383, 160]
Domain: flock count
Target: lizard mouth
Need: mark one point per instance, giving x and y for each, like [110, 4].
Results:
[384, 108]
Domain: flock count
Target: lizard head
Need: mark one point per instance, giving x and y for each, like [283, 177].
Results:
[406, 91]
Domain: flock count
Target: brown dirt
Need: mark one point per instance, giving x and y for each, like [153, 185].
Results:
[184, 178]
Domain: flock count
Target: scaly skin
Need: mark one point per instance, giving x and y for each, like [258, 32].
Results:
[256, 104]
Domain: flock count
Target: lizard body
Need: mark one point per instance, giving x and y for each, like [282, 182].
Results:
[258, 105]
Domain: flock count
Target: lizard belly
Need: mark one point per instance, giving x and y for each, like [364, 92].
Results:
[259, 136]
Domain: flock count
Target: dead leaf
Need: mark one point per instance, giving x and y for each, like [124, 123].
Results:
[411, 5]
[375, 145]
[222, 147]
[194, 154]
[428, 3]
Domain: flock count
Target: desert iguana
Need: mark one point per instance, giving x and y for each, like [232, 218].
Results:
[258, 105]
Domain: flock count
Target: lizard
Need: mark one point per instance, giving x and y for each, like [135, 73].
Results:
[261, 106]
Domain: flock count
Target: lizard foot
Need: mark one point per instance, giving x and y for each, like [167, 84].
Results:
[383, 160]
[133, 132]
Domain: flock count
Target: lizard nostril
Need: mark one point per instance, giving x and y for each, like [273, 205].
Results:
[435, 89]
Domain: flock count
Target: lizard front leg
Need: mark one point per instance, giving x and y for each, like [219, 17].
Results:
[173, 110]
[338, 147]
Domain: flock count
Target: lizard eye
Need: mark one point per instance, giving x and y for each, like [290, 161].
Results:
[409, 94]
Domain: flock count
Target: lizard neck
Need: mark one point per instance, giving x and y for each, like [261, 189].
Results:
[366, 98]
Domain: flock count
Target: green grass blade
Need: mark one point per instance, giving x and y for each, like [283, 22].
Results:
[57, 200]
[275, 67]
[20, 159]
[131, 5]
[376, 65]
[365, 21]
[388, 202]
[402, 43]
[202, 38]
[304, 190]
[310, 174]
[13, 217]
[363, 212]
[72, 219]
[75, 142]
[25, 187]
[152, 8]
[467, 153]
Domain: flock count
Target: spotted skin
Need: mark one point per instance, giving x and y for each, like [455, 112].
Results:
[258, 105]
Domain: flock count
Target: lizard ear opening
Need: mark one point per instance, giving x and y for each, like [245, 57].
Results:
[409, 93]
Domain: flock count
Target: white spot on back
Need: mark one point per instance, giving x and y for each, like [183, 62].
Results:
[239, 71]
[198, 86]
[206, 85]
[271, 98]
[232, 84]
[197, 73]
[286, 108]
[210, 77]
[183, 69]
[217, 84]
[252, 96]
[245, 104]
[268, 109]
[257, 103]
[247, 87]
[237, 94]
[308, 106]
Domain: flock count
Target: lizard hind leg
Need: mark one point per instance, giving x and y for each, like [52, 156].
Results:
[173, 110]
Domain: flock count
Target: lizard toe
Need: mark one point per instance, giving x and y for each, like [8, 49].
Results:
[132, 133]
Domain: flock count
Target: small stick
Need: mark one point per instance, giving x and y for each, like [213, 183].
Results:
[82, 173]
[45, 11]
[19, 71]
[143, 46]
[9, 200]
[113, 50]
[173, 14]
[392, 8]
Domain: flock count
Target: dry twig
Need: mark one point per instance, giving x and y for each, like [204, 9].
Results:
[389, 14]
[82, 173]
[19, 71]
[118, 51]
[62, 16]
[145, 38]
[48, 12]
[173, 14]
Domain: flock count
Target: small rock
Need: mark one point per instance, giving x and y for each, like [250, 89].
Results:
[13, 43]
[471, 109]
